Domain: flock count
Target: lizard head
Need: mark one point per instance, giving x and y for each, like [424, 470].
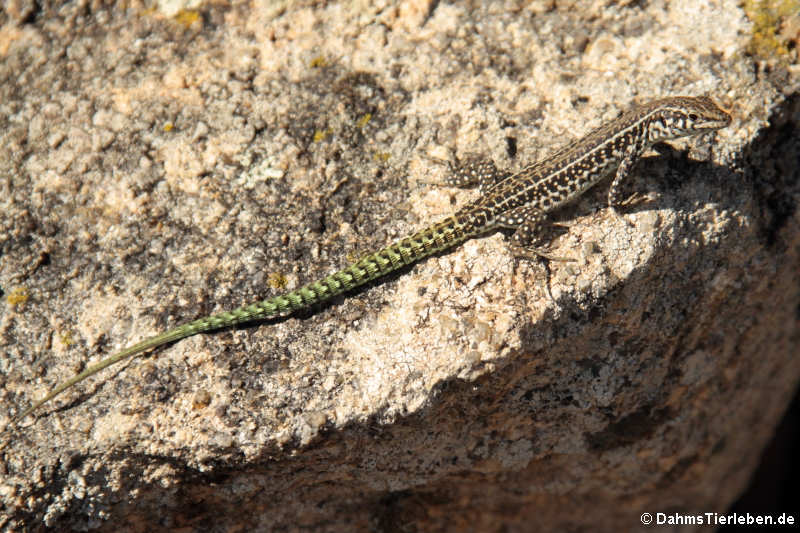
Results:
[681, 116]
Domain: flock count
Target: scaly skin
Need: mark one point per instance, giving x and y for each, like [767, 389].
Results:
[520, 201]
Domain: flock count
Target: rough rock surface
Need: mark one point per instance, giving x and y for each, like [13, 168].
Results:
[160, 163]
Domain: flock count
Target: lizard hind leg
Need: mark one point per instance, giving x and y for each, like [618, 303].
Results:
[475, 171]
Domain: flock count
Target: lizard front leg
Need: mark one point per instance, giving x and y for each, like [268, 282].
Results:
[526, 222]
[629, 159]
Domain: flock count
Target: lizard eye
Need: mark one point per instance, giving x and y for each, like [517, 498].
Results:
[693, 117]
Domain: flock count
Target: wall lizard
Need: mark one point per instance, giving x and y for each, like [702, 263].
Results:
[521, 201]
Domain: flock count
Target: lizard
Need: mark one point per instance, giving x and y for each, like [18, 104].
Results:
[521, 201]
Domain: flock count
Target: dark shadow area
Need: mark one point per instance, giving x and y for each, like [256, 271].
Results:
[771, 488]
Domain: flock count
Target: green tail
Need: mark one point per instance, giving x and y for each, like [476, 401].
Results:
[441, 236]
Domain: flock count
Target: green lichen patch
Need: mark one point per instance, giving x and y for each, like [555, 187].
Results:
[773, 21]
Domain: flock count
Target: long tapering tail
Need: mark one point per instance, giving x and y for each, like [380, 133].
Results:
[446, 234]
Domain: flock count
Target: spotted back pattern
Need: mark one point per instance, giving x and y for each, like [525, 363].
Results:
[518, 201]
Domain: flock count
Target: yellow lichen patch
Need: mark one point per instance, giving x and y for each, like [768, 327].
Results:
[382, 157]
[276, 280]
[364, 120]
[168, 126]
[768, 18]
[318, 62]
[66, 339]
[320, 135]
[17, 296]
[187, 17]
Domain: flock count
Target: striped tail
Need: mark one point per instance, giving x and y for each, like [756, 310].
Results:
[446, 234]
